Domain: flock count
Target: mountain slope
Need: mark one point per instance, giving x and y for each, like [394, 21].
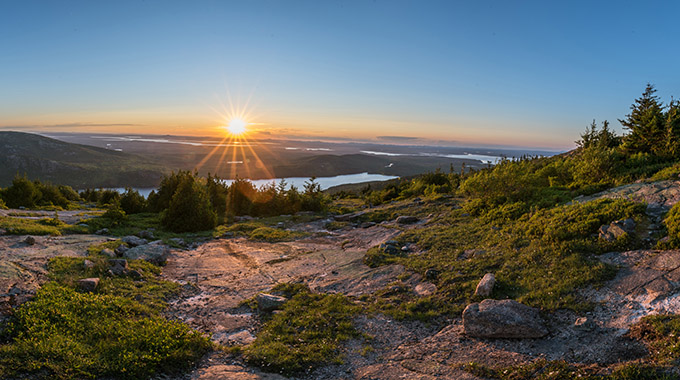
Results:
[331, 165]
[76, 165]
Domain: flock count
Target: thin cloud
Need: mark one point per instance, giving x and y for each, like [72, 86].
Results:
[73, 125]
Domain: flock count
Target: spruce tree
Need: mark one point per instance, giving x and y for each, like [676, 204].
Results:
[190, 209]
[673, 129]
[646, 124]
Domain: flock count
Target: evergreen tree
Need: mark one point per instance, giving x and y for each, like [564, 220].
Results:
[22, 193]
[189, 209]
[673, 129]
[132, 202]
[646, 124]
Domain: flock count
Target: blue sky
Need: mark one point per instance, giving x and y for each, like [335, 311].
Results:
[522, 73]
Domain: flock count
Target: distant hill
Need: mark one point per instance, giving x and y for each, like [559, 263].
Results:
[76, 165]
[331, 165]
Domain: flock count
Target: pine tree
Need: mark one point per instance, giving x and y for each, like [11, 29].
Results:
[646, 124]
[190, 209]
[673, 129]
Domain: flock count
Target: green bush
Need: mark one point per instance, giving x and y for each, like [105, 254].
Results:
[190, 209]
[672, 223]
[132, 202]
[115, 216]
[22, 193]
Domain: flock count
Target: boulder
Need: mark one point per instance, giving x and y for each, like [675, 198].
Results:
[269, 302]
[134, 241]
[121, 249]
[146, 234]
[485, 286]
[155, 253]
[502, 319]
[406, 219]
[179, 242]
[30, 240]
[425, 289]
[88, 284]
[108, 253]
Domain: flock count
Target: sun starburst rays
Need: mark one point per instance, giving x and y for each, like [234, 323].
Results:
[236, 122]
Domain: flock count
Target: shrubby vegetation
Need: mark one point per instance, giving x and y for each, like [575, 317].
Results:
[35, 194]
[307, 332]
[116, 332]
[191, 203]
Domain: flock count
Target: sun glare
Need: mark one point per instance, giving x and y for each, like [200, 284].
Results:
[237, 126]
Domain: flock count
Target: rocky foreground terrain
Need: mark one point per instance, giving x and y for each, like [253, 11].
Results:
[219, 274]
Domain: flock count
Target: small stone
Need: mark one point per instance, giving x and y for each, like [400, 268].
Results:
[30, 240]
[119, 262]
[88, 284]
[136, 275]
[405, 248]
[406, 219]
[241, 338]
[103, 231]
[425, 289]
[280, 225]
[485, 286]
[146, 234]
[88, 264]
[121, 249]
[367, 224]
[584, 324]
[119, 267]
[134, 241]
[108, 253]
[269, 302]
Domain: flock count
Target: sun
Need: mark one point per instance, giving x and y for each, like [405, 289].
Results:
[237, 126]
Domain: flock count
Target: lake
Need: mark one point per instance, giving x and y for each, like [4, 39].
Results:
[299, 182]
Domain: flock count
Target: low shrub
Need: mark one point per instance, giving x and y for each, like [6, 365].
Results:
[63, 334]
[306, 333]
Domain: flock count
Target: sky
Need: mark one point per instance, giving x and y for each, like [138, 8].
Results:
[507, 73]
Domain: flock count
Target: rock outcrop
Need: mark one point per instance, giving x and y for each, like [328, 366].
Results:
[617, 229]
[502, 319]
[134, 241]
[154, 252]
